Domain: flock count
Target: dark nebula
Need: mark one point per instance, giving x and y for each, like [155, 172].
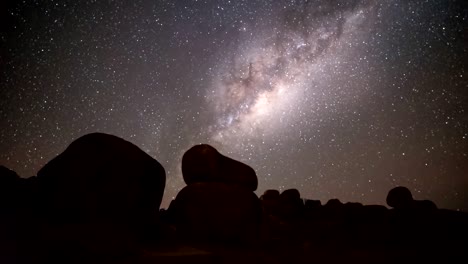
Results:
[338, 99]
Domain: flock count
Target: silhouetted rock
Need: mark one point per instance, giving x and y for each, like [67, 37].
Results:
[424, 205]
[312, 204]
[270, 195]
[400, 198]
[214, 211]
[333, 210]
[7, 175]
[9, 188]
[270, 201]
[290, 195]
[94, 202]
[203, 163]
[17, 195]
[291, 205]
[334, 204]
[101, 179]
[18, 208]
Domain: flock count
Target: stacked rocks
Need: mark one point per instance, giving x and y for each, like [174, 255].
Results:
[218, 204]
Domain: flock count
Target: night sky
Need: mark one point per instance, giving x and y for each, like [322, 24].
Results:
[339, 99]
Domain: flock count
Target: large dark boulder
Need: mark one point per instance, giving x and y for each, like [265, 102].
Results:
[101, 179]
[217, 212]
[400, 198]
[203, 163]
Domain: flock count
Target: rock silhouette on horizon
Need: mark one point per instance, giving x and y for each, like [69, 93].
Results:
[100, 196]
[100, 175]
[98, 202]
[218, 203]
[400, 198]
[203, 163]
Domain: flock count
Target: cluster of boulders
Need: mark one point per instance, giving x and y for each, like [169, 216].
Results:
[218, 203]
[290, 220]
[101, 198]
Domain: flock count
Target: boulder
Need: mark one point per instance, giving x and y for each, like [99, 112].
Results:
[291, 206]
[217, 212]
[270, 195]
[101, 178]
[400, 198]
[270, 202]
[334, 210]
[334, 204]
[203, 163]
[290, 195]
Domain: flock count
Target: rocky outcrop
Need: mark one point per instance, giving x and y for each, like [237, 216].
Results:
[218, 203]
[102, 176]
[102, 194]
[291, 205]
[203, 163]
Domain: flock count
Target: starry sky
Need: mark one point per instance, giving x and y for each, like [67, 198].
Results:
[338, 98]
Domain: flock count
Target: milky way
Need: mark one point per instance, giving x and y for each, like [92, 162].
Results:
[339, 99]
[260, 89]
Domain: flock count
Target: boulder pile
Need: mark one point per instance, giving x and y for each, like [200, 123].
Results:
[218, 203]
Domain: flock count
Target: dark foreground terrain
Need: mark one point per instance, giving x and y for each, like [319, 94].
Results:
[98, 202]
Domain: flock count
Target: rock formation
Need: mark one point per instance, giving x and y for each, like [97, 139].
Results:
[400, 198]
[102, 192]
[218, 203]
[203, 163]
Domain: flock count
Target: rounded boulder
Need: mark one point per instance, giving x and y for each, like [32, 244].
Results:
[400, 198]
[101, 176]
[203, 163]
